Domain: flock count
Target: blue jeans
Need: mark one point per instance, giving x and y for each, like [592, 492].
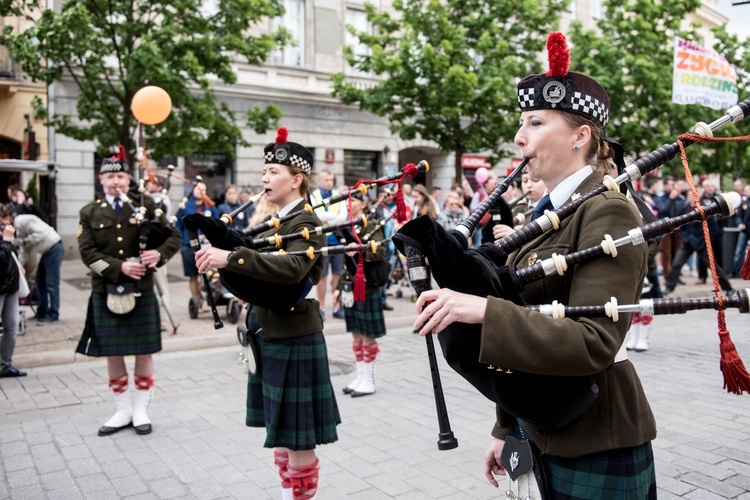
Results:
[48, 282]
[739, 253]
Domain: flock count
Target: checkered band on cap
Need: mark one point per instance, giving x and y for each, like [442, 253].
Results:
[290, 154]
[574, 92]
[113, 165]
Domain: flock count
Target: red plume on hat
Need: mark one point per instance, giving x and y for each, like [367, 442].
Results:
[558, 54]
[282, 135]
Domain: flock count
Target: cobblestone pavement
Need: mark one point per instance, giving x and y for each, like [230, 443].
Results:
[201, 449]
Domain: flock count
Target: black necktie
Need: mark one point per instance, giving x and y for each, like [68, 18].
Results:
[117, 206]
[544, 204]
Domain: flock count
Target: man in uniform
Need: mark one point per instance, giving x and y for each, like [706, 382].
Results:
[123, 312]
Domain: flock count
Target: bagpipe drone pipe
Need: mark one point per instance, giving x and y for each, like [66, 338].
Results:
[482, 271]
[273, 295]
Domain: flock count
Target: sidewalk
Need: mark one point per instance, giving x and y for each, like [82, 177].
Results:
[44, 345]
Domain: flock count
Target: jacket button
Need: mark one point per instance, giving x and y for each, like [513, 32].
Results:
[119, 226]
[119, 238]
[241, 261]
[101, 226]
[121, 252]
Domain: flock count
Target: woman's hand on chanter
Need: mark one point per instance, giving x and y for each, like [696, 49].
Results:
[439, 308]
[211, 257]
[492, 465]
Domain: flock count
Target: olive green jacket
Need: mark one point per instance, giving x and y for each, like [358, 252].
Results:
[519, 339]
[106, 240]
[281, 269]
[370, 256]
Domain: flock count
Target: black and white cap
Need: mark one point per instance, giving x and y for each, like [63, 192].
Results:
[288, 153]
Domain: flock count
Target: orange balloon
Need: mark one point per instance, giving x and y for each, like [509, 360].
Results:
[151, 105]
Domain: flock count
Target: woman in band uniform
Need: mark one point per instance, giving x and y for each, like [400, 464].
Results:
[292, 396]
[606, 451]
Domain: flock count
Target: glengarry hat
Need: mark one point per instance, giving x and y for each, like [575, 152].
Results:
[288, 153]
[564, 90]
[115, 163]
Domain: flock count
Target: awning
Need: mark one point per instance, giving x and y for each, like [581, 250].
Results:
[41, 167]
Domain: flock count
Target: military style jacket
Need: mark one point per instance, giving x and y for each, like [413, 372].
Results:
[106, 240]
[304, 318]
[371, 258]
[516, 338]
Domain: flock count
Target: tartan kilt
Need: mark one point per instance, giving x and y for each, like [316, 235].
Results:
[615, 474]
[292, 397]
[109, 334]
[366, 317]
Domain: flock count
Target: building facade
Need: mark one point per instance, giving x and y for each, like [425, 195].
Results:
[353, 144]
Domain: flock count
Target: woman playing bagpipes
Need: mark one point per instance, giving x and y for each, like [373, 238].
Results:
[292, 395]
[364, 320]
[606, 451]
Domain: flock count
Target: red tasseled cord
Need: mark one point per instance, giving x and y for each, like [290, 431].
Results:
[736, 377]
[282, 135]
[360, 289]
[745, 271]
[558, 54]
[400, 204]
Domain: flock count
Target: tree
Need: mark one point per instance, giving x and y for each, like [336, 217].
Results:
[113, 48]
[632, 56]
[447, 69]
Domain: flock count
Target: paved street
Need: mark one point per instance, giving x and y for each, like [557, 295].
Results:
[201, 449]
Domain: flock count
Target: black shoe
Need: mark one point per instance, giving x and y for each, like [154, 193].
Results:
[387, 306]
[45, 321]
[12, 372]
[668, 289]
[144, 429]
[108, 431]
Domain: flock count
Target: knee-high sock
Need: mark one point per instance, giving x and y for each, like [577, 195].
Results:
[305, 481]
[143, 396]
[124, 414]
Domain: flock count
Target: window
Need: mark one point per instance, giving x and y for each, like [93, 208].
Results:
[360, 165]
[294, 21]
[358, 20]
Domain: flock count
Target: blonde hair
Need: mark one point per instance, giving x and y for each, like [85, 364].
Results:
[263, 209]
[305, 186]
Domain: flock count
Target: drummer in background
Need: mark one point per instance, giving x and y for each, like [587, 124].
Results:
[292, 396]
[606, 451]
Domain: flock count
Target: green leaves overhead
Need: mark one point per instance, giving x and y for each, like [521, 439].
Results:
[448, 68]
[113, 48]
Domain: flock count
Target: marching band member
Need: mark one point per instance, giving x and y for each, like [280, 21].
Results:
[123, 311]
[364, 320]
[606, 451]
[292, 396]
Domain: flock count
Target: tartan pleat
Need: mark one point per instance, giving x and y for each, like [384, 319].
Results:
[367, 317]
[109, 334]
[622, 474]
[293, 397]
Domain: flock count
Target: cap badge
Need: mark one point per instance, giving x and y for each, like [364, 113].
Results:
[281, 154]
[553, 92]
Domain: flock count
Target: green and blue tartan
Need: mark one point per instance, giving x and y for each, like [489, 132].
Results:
[623, 474]
[109, 334]
[367, 317]
[292, 397]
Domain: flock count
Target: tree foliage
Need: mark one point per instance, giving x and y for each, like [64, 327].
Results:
[113, 48]
[447, 69]
[632, 56]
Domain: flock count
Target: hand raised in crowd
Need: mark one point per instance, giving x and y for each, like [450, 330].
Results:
[492, 465]
[134, 270]
[150, 258]
[211, 257]
[439, 308]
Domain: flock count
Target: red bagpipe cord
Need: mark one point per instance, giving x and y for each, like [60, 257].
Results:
[410, 170]
[736, 376]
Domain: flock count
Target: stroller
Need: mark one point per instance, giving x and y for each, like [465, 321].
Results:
[221, 297]
[399, 283]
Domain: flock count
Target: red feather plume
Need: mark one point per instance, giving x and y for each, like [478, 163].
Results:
[121, 153]
[282, 134]
[558, 54]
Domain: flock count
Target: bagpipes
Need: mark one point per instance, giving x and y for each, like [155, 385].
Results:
[272, 295]
[557, 401]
